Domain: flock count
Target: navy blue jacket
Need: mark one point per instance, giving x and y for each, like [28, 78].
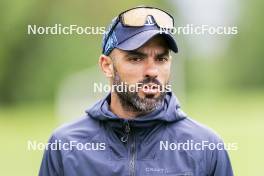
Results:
[102, 144]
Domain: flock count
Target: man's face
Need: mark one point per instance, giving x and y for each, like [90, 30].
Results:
[149, 67]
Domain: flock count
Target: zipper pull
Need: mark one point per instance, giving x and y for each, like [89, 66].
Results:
[124, 138]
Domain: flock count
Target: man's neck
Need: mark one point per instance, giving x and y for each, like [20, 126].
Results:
[117, 108]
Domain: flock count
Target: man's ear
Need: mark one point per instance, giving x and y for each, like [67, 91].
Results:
[106, 65]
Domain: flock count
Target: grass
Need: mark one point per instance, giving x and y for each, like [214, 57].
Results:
[236, 117]
[17, 126]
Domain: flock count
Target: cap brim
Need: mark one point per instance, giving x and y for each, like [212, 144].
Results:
[141, 38]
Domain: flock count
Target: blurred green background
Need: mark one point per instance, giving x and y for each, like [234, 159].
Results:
[218, 79]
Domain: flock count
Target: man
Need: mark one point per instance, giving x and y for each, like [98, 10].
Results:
[139, 129]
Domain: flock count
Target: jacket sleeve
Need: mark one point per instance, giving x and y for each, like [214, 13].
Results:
[51, 164]
[220, 163]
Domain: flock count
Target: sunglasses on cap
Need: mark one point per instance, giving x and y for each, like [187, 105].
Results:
[137, 17]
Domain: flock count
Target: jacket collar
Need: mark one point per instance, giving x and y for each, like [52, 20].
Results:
[169, 112]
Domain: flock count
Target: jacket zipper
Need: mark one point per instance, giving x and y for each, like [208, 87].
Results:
[125, 137]
[130, 139]
[133, 156]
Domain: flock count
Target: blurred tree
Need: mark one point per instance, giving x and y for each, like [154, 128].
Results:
[32, 66]
[245, 59]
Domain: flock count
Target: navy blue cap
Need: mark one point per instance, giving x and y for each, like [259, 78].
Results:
[130, 38]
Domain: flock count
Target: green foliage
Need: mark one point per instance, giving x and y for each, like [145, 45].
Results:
[32, 66]
[246, 55]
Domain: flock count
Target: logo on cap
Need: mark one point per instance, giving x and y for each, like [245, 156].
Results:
[150, 21]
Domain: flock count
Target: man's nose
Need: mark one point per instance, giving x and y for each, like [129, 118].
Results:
[151, 69]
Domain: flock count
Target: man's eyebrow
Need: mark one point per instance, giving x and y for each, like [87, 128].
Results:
[136, 53]
[165, 53]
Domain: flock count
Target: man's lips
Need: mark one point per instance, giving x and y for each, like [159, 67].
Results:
[150, 88]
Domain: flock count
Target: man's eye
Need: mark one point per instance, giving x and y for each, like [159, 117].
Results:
[135, 59]
[162, 59]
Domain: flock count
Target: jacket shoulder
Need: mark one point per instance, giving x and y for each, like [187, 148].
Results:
[82, 128]
[191, 129]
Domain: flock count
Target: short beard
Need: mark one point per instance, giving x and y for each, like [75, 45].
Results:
[131, 101]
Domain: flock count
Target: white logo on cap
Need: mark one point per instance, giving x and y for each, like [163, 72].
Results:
[150, 21]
